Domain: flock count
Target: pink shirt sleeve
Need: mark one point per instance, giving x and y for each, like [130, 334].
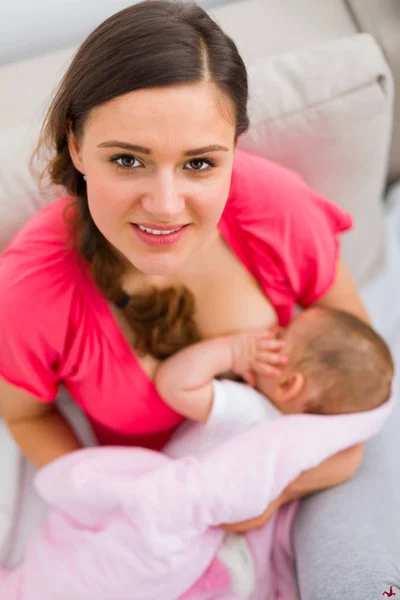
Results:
[286, 232]
[35, 305]
[311, 246]
[27, 359]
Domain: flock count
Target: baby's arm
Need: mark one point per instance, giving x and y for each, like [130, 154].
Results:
[184, 380]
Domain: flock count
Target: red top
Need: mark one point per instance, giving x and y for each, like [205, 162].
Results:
[57, 327]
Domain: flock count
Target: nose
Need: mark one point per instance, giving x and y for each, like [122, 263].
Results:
[164, 200]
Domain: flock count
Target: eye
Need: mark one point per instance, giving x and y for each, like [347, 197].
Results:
[196, 164]
[125, 161]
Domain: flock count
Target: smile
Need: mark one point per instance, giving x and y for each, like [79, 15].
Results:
[159, 237]
[158, 231]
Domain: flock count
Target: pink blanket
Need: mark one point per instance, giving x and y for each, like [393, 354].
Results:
[131, 523]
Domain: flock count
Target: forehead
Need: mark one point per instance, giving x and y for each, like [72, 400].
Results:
[169, 115]
[307, 320]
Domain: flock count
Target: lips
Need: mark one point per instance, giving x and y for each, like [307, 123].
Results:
[160, 236]
[159, 230]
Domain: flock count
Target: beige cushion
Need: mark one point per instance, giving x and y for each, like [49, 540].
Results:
[381, 18]
[21, 115]
[263, 27]
[324, 112]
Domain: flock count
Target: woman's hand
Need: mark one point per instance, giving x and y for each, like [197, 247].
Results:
[334, 470]
[258, 351]
[257, 522]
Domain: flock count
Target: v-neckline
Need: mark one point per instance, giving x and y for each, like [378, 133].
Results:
[121, 343]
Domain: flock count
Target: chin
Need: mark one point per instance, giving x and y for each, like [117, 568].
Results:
[158, 265]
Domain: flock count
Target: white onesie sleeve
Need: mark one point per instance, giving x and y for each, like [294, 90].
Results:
[236, 407]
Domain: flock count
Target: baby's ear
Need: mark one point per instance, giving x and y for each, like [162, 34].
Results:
[291, 386]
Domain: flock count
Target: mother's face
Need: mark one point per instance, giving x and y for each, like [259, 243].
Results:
[158, 160]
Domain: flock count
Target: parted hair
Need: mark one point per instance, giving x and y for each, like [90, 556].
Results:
[155, 43]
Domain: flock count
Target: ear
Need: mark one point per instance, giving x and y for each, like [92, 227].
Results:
[291, 386]
[74, 150]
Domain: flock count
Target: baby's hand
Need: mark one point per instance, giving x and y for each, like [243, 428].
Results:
[258, 351]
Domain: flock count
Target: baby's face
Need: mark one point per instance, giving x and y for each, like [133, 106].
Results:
[294, 335]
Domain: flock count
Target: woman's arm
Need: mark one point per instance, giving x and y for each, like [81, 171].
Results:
[342, 295]
[333, 471]
[37, 427]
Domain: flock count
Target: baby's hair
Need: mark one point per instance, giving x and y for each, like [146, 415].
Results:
[348, 366]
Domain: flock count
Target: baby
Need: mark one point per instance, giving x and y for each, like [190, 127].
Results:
[335, 364]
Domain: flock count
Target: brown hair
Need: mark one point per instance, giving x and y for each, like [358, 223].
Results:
[155, 43]
[345, 360]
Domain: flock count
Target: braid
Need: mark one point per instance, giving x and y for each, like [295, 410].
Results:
[162, 319]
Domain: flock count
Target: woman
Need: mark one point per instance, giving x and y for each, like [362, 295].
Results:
[168, 234]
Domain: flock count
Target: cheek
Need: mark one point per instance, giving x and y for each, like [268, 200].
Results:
[108, 199]
[209, 202]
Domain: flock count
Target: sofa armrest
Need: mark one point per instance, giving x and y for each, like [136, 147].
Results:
[347, 539]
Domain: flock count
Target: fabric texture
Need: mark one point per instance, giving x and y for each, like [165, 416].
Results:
[58, 327]
[126, 519]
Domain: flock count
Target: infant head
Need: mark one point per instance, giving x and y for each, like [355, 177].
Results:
[337, 364]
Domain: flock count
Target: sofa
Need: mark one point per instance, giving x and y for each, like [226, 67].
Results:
[323, 80]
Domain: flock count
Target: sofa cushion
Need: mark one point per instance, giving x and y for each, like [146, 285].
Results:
[324, 112]
[381, 18]
[27, 89]
[263, 27]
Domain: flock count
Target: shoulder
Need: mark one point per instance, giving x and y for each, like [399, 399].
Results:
[266, 193]
[259, 184]
[47, 231]
[266, 190]
[289, 231]
[40, 268]
[252, 171]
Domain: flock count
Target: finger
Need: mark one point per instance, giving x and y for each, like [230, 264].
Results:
[249, 378]
[274, 358]
[267, 344]
[268, 370]
[263, 334]
[238, 527]
[245, 526]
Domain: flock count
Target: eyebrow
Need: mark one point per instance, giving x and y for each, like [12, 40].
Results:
[143, 150]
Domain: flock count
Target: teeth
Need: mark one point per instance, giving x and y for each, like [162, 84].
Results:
[157, 231]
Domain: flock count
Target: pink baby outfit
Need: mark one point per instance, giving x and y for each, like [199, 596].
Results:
[131, 523]
[57, 327]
